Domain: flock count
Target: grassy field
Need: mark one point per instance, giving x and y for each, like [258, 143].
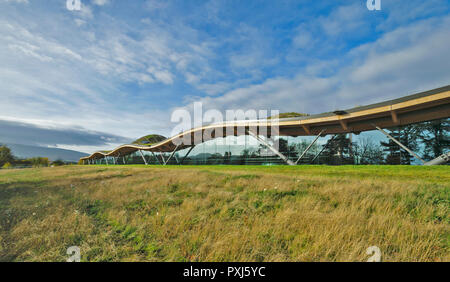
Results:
[225, 213]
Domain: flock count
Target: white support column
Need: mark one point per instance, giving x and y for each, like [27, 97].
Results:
[162, 157]
[310, 145]
[187, 154]
[156, 157]
[400, 144]
[171, 155]
[142, 155]
[323, 148]
[283, 157]
[442, 159]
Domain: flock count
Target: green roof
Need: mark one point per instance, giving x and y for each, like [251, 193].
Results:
[149, 139]
[288, 115]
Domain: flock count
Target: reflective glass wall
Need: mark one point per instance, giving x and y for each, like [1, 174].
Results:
[231, 150]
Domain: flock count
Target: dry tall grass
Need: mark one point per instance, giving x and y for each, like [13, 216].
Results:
[222, 213]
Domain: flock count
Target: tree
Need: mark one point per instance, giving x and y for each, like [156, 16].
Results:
[407, 135]
[5, 155]
[339, 150]
[58, 162]
[434, 136]
[39, 162]
[227, 158]
[367, 152]
[7, 165]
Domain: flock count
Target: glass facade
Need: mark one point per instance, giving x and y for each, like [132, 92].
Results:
[231, 150]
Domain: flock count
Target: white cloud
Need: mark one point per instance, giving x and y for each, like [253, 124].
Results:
[100, 2]
[214, 88]
[345, 19]
[80, 22]
[303, 39]
[163, 76]
[401, 12]
[155, 4]
[387, 68]
[85, 12]
[16, 1]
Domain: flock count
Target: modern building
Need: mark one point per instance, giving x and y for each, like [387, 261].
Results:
[246, 142]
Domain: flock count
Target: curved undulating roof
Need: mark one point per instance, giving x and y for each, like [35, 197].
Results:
[424, 106]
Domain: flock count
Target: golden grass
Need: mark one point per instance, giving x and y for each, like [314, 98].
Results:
[224, 213]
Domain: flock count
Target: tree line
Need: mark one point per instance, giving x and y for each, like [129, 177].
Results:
[431, 138]
[8, 160]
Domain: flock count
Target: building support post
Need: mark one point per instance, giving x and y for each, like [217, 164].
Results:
[350, 147]
[323, 148]
[270, 147]
[162, 157]
[400, 144]
[106, 160]
[442, 159]
[156, 158]
[142, 155]
[187, 154]
[171, 155]
[309, 147]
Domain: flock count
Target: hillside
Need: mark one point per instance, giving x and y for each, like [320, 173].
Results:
[27, 151]
[225, 213]
[149, 139]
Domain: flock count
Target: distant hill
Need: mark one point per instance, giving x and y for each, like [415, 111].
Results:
[27, 151]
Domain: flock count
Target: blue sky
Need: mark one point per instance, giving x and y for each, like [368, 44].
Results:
[119, 68]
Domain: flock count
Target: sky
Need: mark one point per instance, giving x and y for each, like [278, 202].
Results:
[116, 70]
